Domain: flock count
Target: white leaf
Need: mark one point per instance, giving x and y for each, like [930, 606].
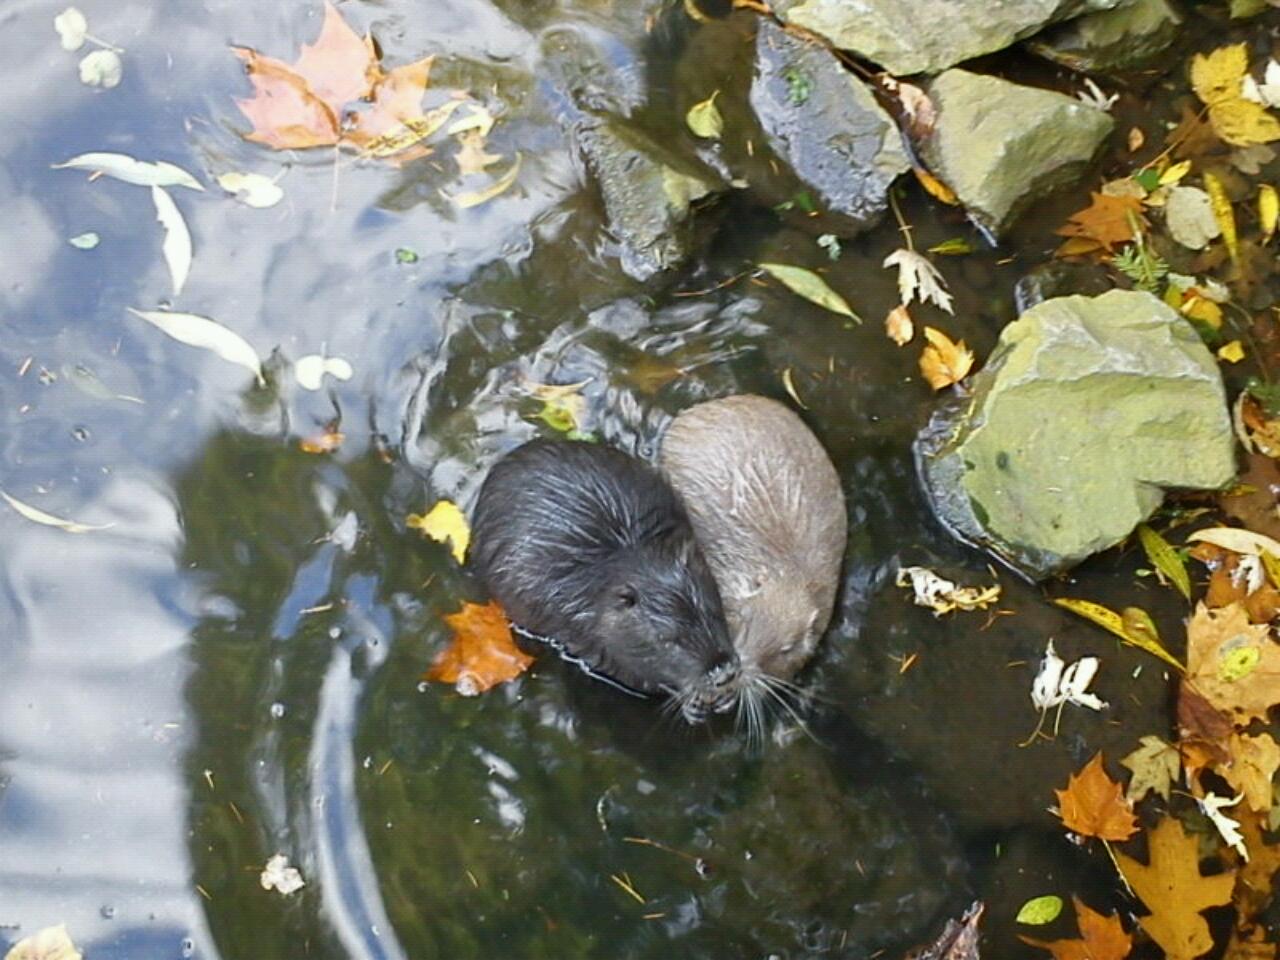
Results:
[85, 241]
[1268, 92]
[130, 170]
[1250, 573]
[1211, 806]
[252, 189]
[1044, 688]
[1094, 97]
[1188, 213]
[278, 875]
[1238, 540]
[309, 371]
[941, 595]
[49, 520]
[1057, 683]
[177, 238]
[72, 28]
[102, 68]
[1075, 681]
[919, 279]
[197, 331]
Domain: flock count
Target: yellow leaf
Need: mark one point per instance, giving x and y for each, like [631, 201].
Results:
[1232, 352]
[51, 943]
[444, 523]
[944, 361]
[1165, 559]
[1223, 213]
[1200, 308]
[704, 118]
[1268, 210]
[1243, 123]
[1175, 173]
[1218, 75]
[935, 187]
[1113, 623]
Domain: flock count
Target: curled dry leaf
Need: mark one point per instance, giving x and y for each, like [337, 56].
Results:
[278, 875]
[958, 941]
[482, 653]
[1056, 683]
[444, 523]
[944, 361]
[899, 325]
[943, 596]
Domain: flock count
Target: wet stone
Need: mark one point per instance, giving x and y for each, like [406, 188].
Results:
[649, 193]
[827, 125]
[1121, 39]
[1000, 145]
[925, 36]
[1086, 412]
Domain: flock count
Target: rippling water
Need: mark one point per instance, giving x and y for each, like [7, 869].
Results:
[227, 673]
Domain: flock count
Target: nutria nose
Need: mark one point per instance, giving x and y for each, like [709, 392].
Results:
[725, 674]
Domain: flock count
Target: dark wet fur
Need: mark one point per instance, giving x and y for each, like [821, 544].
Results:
[587, 545]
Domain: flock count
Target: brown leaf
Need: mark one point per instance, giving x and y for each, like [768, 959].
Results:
[1228, 585]
[1194, 136]
[396, 104]
[1251, 764]
[1106, 222]
[958, 940]
[1101, 937]
[1254, 881]
[1093, 805]
[1155, 765]
[1254, 502]
[1171, 887]
[482, 654]
[1233, 664]
[1249, 942]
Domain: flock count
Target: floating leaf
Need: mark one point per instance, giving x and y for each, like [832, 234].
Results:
[1155, 765]
[807, 284]
[1040, 910]
[472, 156]
[72, 28]
[1188, 213]
[197, 331]
[309, 371]
[899, 326]
[1232, 663]
[445, 523]
[943, 596]
[918, 279]
[51, 943]
[85, 241]
[482, 653]
[49, 520]
[124, 167]
[1174, 173]
[101, 68]
[704, 118]
[1101, 938]
[1165, 559]
[1107, 222]
[1114, 623]
[252, 189]
[944, 361]
[1171, 887]
[177, 239]
[1093, 805]
[474, 199]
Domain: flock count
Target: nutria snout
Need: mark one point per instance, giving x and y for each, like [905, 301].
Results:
[767, 508]
[587, 546]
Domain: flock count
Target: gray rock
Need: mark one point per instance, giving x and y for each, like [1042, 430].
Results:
[827, 125]
[925, 36]
[1121, 39]
[648, 193]
[1087, 410]
[1000, 145]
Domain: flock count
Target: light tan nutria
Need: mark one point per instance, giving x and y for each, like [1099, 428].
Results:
[768, 512]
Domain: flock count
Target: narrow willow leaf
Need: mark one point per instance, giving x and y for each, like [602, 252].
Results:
[49, 520]
[1165, 559]
[465, 200]
[1237, 540]
[1113, 623]
[704, 118]
[131, 170]
[1225, 216]
[812, 287]
[1040, 910]
[197, 331]
[1268, 210]
[177, 238]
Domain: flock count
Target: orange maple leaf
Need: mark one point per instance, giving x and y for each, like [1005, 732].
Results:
[1107, 221]
[482, 654]
[1093, 805]
[944, 361]
[1101, 938]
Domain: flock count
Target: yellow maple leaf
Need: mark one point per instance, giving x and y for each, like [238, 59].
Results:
[944, 361]
[1217, 76]
[1216, 79]
[445, 523]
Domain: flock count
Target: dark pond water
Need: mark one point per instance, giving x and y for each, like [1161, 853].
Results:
[220, 677]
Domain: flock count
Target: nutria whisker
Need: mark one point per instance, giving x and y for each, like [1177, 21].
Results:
[762, 683]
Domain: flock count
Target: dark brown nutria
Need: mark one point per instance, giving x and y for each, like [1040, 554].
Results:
[769, 514]
[588, 547]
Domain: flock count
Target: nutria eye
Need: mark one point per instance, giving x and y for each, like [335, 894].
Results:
[627, 598]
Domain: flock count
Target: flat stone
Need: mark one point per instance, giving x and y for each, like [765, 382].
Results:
[648, 193]
[1112, 40]
[1086, 412]
[925, 36]
[826, 124]
[1000, 145]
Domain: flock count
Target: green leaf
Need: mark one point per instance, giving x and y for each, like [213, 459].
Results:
[704, 118]
[807, 284]
[405, 255]
[1165, 559]
[1040, 910]
[955, 247]
[1148, 179]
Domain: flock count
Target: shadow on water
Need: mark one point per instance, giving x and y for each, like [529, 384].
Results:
[232, 671]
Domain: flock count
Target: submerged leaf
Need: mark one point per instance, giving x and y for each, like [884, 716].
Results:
[807, 284]
[704, 118]
[474, 199]
[278, 875]
[197, 331]
[1165, 559]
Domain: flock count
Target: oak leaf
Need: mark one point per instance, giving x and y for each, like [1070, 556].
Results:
[1254, 880]
[1093, 805]
[482, 654]
[1101, 937]
[1107, 222]
[1155, 766]
[1232, 663]
[1172, 888]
